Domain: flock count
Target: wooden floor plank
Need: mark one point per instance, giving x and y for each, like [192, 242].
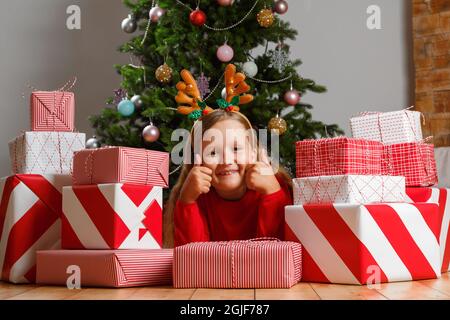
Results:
[161, 293]
[301, 291]
[346, 292]
[411, 290]
[224, 294]
[442, 285]
[104, 294]
[45, 293]
[8, 290]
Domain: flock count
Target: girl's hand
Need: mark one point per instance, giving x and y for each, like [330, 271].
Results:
[197, 182]
[261, 178]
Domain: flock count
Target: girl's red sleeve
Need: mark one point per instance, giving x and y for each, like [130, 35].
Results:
[190, 224]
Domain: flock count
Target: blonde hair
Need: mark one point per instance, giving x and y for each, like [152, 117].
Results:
[208, 121]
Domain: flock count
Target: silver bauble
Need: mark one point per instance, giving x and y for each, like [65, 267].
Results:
[129, 25]
[280, 7]
[250, 69]
[224, 93]
[92, 143]
[156, 13]
[150, 133]
[137, 101]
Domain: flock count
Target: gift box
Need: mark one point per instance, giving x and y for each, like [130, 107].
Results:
[112, 216]
[388, 127]
[121, 165]
[415, 161]
[338, 156]
[442, 198]
[255, 263]
[366, 244]
[45, 152]
[30, 212]
[348, 189]
[52, 111]
[106, 268]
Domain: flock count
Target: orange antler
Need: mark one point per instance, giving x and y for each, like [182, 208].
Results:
[236, 86]
[188, 94]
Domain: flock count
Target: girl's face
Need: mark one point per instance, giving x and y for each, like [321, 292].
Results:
[227, 152]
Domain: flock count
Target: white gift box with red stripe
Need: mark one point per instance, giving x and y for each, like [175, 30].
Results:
[388, 127]
[254, 263]
[112, 216]
[52, 111]
[348, 189]
[45, 152]
[106, 268]
[366, 244]
[442, 198]
[30, 213]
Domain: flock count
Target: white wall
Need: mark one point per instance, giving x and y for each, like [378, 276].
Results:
[362, 69]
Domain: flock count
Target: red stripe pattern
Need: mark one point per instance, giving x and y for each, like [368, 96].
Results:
[107, 268]
[338, 156]
[237, 264]
[52, 111]
[30, 212]
[121, 165]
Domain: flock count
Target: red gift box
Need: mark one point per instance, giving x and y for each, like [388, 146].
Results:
[52, 111]
[415, 161]
[112, 216]
[237, 264]
[106, 268]
[338, 156]
[366, 244]
[30, 212]
[442, 198]
[121, 165]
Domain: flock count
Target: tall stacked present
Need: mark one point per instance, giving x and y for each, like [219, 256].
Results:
[112, 218]
[349, 208]
[31, 200]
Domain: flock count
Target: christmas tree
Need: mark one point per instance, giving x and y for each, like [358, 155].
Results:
[202, 36]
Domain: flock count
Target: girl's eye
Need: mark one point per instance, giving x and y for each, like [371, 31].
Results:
[237, 148]
[213, 153]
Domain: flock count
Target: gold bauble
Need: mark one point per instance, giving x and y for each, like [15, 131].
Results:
[265, 18]
[164, 73]
[277, 123]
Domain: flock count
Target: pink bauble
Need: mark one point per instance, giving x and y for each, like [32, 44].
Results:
[292, 97]
[280, 7]
[225, 53]
[225, 3]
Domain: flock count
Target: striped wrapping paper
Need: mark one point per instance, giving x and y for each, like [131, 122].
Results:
[442, 198]
[348, 189]
[388, 127]
[112, 216]
[121, 165]
[415, 161]
[237, 264]
[337, 156]
[30, 212]
[106, 268]
[366, 244]
[52, 111]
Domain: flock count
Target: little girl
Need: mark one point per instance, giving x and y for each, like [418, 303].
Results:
[224, 195]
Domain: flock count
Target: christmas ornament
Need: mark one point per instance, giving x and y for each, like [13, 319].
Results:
[92, 143]
[197, 17]
[150, 133]
[156, 13]
[279, 58]
[280, 6]
[224, 93]
[265, 18]
[292, 97]
[164, 73]
[129, 25]
[225, 53]
[203, 85]
[225, 3]
[137, 101]
[119, 95]
[250, 69]
[278, 123]
[125, 108]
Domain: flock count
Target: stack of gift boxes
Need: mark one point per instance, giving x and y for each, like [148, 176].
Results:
[365, 208]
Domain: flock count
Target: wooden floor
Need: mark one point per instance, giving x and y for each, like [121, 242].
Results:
[421, 290]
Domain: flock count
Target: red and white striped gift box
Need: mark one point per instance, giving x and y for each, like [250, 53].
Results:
[366, 244]
[415, 161]
[348, 189]
[388, 127]
[45, 152]
[442, 198]
[112, 216]
[337, 156]
[52, 111]
[121, 165]
[237, 264]
[30, 212]
[106, 268]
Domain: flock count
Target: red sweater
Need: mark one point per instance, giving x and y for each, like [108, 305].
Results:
[212, 218]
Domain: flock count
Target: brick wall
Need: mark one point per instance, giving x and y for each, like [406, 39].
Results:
[431, 27]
